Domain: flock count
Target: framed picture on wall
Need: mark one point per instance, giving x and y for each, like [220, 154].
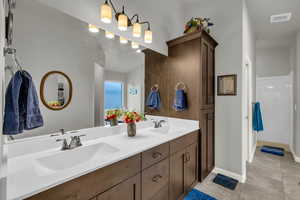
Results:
[227, 85]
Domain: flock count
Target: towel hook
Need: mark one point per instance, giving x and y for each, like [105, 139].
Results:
[155, 87]
[177, 86]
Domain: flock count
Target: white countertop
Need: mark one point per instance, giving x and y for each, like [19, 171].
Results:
[27, 178]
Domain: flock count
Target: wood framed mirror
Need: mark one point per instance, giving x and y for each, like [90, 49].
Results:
[56, 90]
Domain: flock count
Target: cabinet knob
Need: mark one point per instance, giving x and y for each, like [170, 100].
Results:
[156, 178]
[156, 155]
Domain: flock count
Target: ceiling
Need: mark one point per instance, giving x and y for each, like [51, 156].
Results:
[278, 33]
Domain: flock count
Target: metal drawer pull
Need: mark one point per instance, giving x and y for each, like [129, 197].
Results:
[156, 155]
[188, 157]
[156, 178]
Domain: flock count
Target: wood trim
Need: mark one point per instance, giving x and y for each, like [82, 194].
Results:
[192, 36]
[42, 96]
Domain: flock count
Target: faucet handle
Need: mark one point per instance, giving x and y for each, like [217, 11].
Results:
[65, 145]
[62, 131]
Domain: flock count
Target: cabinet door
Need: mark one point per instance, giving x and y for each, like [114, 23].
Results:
[207, 143]
[191, 167]
[155, 181]
[128, 190]
[208, 75]
[177, 164]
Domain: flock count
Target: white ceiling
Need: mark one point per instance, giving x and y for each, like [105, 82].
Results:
[277, 33]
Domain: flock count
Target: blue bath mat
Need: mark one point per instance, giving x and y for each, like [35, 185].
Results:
[272, 150]
[225, 181]
[197, 195]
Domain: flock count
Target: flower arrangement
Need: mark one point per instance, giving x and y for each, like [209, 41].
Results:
[132, 117]
[198, 23]
[113, 114]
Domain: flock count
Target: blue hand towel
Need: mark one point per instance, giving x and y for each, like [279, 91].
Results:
[11, 123]
[33, 115]
[257, 118]
[197, 195]
[21, 110]
[153, 101]
[180, 101]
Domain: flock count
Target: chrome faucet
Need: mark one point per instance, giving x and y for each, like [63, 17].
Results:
[158, 124]
[74, 143]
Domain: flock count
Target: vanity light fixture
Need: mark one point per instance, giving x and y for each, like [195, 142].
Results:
[148, 36]
[106, 13]
[134, 45]
[124, 21]
[109, 35]
[139, 51]
[123, 40]
[93, 28]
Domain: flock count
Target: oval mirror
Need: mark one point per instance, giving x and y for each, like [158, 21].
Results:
[56, 90]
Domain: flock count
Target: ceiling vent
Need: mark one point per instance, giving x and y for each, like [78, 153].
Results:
[281, 18]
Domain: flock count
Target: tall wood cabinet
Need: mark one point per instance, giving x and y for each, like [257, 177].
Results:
[191, 60]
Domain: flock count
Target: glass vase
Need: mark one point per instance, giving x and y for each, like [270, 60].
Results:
[131, 129]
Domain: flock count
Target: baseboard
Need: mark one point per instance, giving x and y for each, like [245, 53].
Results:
[296, 158]
[240, 178]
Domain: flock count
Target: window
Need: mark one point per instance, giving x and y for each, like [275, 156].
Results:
[113, 95]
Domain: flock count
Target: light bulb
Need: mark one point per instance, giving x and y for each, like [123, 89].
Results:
[137, 30]
[109, 35]
[122, 22]
[123, 40]
[134, 45]
[148, 36]
[93, 28]
[106, 13]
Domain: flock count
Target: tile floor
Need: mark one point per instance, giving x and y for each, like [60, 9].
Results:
[269, 177]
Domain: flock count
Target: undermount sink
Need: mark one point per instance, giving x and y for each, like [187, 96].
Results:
[166, 129]
[70, 158]
[163, 130]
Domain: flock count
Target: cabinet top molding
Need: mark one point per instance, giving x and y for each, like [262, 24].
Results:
[192, 36]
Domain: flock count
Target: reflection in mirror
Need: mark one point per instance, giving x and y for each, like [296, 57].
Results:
[47, 39]
[56, 90]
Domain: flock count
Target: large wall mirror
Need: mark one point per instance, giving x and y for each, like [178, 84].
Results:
[56, 90]
[92, 73]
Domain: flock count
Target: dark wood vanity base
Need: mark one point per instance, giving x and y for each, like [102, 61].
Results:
[165, 172]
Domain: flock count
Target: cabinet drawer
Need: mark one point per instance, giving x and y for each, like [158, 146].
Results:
[155, 155]
[184, 141]
[94, 183]
[155, 180]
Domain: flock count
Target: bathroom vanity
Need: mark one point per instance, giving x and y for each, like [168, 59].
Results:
[159, 163]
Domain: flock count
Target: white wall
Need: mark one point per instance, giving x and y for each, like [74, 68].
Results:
[99, 97]
[2, 157]
[249, 62]
[47, 40]
[136, 80]
[275, 95]
[273, 61]
[297, 97]
[293, 63]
